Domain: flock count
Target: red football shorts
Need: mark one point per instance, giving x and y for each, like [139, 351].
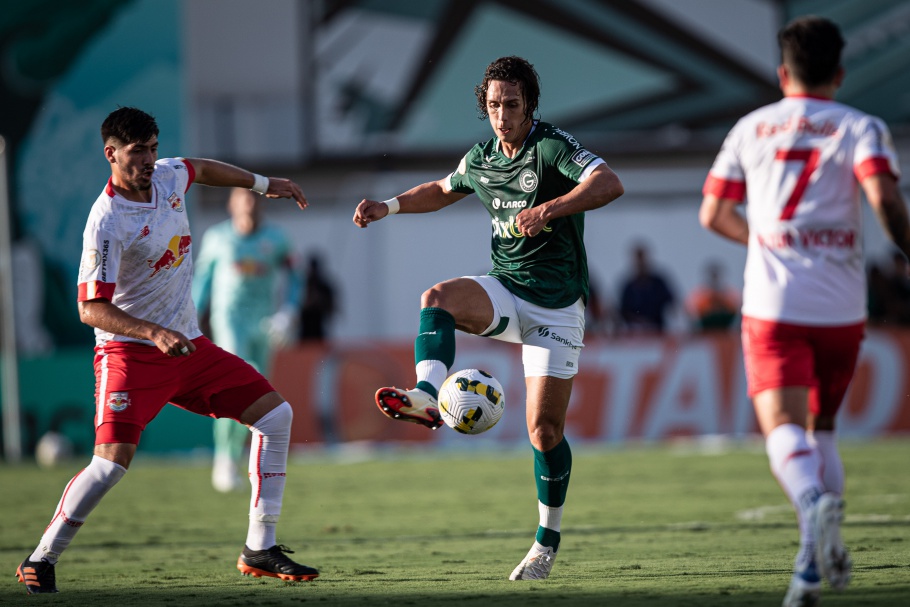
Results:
[133, 382]
[780, 355]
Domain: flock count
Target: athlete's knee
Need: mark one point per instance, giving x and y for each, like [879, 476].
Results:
[276, 421]
[104, 471]
[434, 297]
[120, 454]
[264, 405]
[284, 414]
[545, 435]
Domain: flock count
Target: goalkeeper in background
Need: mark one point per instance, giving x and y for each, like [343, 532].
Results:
[236, 288]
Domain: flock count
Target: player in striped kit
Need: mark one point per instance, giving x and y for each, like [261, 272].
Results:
[801, 163]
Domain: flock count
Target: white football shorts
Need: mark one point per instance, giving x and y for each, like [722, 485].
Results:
[551, 338]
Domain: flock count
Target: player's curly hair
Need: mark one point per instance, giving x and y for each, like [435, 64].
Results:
[128, 125]
[811, 47]
[515, 70]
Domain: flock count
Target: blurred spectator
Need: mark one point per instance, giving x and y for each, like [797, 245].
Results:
[318, 303]
[646, 297]
[598, 313]
[877, 294]
[713, 306]
[889, 292]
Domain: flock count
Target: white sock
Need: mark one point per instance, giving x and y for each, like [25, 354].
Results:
[550, 518]
[80, 497]
[825, 442]
[268, 465]
[797, 467]
[434, 372]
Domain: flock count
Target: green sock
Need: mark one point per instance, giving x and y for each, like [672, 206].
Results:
[548, 537]
[435, 342]
[551, 473]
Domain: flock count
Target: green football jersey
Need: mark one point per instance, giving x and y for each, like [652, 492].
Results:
[550, 269]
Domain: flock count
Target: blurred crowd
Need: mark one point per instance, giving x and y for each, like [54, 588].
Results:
[646, 301]
[889, 291]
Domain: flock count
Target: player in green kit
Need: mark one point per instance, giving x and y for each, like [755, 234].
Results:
[536, 181]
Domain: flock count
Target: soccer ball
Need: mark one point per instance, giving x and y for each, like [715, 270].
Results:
[471, 401]
[53, 449]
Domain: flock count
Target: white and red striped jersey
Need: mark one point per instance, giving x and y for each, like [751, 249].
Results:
[798, 163]
[137, 254]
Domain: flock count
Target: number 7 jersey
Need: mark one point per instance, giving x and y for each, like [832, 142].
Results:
[798, 163]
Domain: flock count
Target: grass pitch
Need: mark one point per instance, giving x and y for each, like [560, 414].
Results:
[670, 525]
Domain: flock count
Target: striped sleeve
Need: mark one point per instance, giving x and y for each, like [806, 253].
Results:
[875, 152]
[732, 189]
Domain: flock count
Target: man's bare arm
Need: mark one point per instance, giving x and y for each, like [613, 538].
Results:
[600, 189]
[721, 216]
[104, 315]
[222, 174]
[886, 201]
[425, 198]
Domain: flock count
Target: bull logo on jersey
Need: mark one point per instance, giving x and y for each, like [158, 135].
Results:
[176, 202]
[173, 256]
[118, 401]
[527, 180]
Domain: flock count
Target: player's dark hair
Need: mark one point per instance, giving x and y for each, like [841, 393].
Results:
[517, 71]
[129, 125]
[811, 47]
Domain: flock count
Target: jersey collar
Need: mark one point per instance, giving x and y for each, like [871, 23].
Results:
[110, 191]
[808, 96]
[498, 147]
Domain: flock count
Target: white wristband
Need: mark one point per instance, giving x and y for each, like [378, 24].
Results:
[393, 205]
[260, 184]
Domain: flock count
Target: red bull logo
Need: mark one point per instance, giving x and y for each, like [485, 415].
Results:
[173, 256]
[176, 202]
[118, 401]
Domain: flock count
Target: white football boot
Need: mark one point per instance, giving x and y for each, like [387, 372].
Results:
[536, 565]
[414, 406]
[805, 587]
[834, 564]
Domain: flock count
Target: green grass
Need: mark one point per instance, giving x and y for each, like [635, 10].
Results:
[643, 526]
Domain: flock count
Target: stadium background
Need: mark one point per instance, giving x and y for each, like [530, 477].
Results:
[365, 98]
